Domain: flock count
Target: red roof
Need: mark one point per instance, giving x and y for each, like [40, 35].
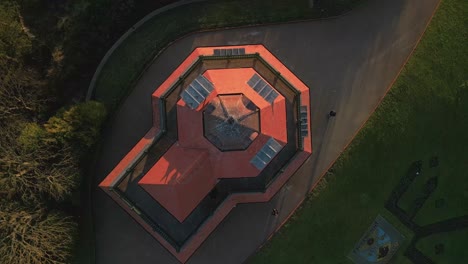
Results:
[179, 183]
[179, 180]
[164, 182]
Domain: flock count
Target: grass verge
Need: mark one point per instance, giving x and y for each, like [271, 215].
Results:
[425, 114]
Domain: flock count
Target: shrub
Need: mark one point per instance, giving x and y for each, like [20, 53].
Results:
[31, 136]
[78, 125]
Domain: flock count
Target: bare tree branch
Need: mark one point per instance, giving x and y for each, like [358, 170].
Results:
[32, 175]
[32, 236]
[20, 93]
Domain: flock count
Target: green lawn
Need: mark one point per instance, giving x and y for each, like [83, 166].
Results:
[416, 190]
[452, 188]
[425, 114]
[454, 247]
[128, 61]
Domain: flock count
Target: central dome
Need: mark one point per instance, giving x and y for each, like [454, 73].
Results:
[231, 122]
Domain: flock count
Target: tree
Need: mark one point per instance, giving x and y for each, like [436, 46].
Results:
[21, 93]
[44, 172]
[39, 163]
[33, 169]
[43, 162]
[20, 87]
[34, 236]
[14, 39]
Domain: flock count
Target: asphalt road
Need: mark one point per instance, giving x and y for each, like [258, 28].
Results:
[348, 64]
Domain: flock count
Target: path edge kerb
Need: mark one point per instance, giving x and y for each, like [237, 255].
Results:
[129, 32]
[350, 141]
[158, 11]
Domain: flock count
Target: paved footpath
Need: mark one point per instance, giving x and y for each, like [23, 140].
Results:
[348, 63]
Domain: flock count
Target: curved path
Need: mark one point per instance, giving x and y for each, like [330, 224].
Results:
[348, 64]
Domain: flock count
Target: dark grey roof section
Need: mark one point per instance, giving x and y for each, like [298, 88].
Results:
[304, 122]
[229, 52]
[197, 91]
[262, 88]
[266, 154]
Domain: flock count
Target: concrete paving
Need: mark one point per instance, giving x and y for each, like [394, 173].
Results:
[348, 64]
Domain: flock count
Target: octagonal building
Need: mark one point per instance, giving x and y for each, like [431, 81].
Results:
[230, 125]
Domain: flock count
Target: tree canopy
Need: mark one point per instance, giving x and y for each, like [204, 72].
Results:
[34, 236]
[14, 40]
